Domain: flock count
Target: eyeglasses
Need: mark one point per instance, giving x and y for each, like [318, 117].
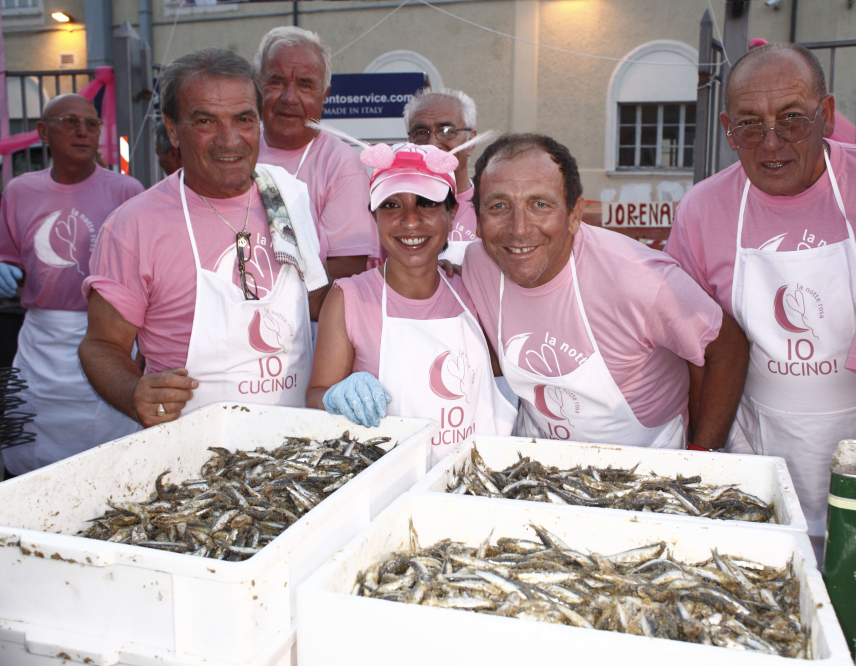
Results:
[444, 133]
[790, 130]
[71, 123]
[245, 253]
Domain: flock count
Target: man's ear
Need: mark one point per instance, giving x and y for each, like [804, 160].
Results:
[42, 129]
[828, 112]
[470, 150]
[723, 118]
[575, 217]
[171, 130]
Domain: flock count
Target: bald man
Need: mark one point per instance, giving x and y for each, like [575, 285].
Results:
[769, 239]
[48, 223]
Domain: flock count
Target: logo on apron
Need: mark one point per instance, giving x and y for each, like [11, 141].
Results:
[557, 404]
[63, 243]
[795, 310]
[269, 332]
[451, 378]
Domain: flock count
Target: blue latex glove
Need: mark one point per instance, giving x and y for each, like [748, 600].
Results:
[8, 276]
[360, 398]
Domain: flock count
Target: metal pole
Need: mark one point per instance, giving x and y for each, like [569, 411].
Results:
[735, 42]
[294, 13]
[832, 69]
[98, 15]
[143, 158]
[126, 63]
[700, 152]
[146, 22]
[794, 6]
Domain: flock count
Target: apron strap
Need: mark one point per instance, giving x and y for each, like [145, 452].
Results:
[187, 221]
[500, 352]
[837, 193]
[742, 211]
[580, 304]
[305, 153]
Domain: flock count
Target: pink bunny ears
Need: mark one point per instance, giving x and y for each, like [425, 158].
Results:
[382, 156]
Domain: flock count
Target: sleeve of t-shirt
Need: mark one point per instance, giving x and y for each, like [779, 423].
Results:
[350, 228]
[10, 249]
[686, 246]
[683, 318]
[114, 272]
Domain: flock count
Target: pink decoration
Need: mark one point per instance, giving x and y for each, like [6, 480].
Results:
[378, 156]
[439, 161]
[845, 131]
[105, 78]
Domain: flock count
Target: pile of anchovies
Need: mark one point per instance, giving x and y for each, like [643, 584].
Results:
[242, 501]
[611, 488]
[724, 601]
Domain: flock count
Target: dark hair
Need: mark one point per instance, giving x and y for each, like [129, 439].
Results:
[162, 141]
[511, 145]
[211, 62]
[448, 203]
[769, 51]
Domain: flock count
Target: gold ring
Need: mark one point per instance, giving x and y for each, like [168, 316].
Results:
[160, 410]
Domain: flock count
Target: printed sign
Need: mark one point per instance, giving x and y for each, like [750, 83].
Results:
[371, 95]
[625, 214]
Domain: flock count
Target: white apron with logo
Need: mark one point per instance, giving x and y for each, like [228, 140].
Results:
[585, 405]
[440, 369]
[797, 310]
[70, 416]
[248, 351]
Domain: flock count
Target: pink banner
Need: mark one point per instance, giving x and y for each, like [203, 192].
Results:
[104, 78]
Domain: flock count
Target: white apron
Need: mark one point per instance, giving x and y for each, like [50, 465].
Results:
[248, 351]
[585, 405]
[797, 310]
[440, 369]
[70, 416]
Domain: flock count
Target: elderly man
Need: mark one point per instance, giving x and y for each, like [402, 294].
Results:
[769, 239]
[169, 157]
[210, 269]
[447, 118]
[48, 223]
[296, 70]
[593, 330]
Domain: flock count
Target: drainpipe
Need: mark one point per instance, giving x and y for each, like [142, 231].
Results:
[145, 11]
[794, 4]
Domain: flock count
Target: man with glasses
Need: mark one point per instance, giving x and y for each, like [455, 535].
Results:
[446, 118]
[769, 239]
[48, 223]
[296, 70]
[211, 269]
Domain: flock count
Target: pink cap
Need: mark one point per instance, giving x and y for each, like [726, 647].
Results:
[406, 167]
[757, 42]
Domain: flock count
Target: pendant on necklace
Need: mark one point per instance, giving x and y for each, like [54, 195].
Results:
[243, 239]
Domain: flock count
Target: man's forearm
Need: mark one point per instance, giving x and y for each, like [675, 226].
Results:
[112, 372]
[726, 364]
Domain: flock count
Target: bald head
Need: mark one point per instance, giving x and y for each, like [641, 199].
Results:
[804, 60]
[69, 103]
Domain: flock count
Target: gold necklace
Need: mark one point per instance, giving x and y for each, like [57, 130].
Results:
[242, 238]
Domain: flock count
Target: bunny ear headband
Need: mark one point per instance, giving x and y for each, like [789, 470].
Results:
[381, 155]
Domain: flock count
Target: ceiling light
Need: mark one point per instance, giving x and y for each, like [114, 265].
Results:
[62, 17]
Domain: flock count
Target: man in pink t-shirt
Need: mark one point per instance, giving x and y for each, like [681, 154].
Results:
[769, 239]
[295, 68]
[207, 270]
[48, 224]
[446, 118]
[593, 330]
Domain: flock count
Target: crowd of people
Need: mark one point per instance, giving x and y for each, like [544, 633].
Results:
[269, 267]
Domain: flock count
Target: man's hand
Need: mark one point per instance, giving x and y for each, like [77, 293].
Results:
[171, 389]
[450, 268]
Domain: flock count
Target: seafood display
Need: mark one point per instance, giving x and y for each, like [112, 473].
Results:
[611, 488]
[723, 601]
[242, 500]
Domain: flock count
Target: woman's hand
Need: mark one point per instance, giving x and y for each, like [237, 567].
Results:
[359, 397]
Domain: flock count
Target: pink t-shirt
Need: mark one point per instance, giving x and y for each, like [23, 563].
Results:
[49, 229]
[464, 226]
[363, 319]
[704, 235]
[646, 314]
[339, 190]
[143, 263]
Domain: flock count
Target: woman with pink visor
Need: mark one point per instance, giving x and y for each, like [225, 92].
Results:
[401, 339]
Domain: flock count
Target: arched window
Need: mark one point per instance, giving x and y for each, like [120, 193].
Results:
[405, 61]
[650, 109]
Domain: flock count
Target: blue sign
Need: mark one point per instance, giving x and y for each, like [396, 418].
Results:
[371, 95]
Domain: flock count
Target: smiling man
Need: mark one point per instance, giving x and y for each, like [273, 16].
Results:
[211, 269]
[296, 70]
[593, 330]
[768, 238]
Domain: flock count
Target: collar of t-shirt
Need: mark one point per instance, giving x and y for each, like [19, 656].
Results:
[62, 188]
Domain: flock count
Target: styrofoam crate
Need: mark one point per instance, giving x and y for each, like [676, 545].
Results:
[339, 628]
[180, 605]
[765, 477]
[29, 645]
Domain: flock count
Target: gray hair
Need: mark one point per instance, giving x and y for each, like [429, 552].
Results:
[212, 63]
[468, 106]
[162, 141]
[293, 36]
[770, 51]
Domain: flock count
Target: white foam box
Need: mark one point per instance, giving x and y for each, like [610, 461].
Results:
[337, 627]
[765, 477]
[181, 606]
